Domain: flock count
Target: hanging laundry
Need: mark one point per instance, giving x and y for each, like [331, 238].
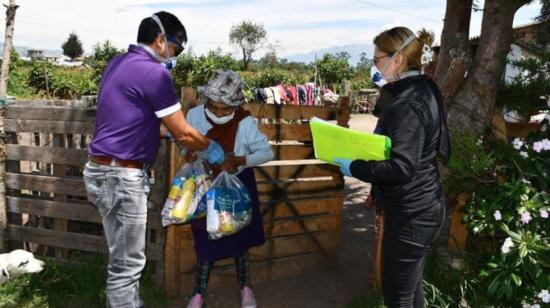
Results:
[291, 97]
[276, 95]
[302, 95]
[270, 97]
[330, 96]
[282, 94]
[310, 87]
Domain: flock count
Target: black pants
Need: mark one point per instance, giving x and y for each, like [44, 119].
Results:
[407, 240]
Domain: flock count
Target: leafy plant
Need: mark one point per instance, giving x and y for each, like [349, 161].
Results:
[41, 76]
[196, 71]
[507, 212]
[103, 53]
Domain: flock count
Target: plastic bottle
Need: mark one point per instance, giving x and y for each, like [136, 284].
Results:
[180, 209]
[175, 189]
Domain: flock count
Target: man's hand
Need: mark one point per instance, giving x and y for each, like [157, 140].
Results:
[183, 133]
[190, 156]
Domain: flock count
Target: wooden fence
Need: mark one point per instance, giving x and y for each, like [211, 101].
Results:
[45, 199]
[301, 198]
[301, 203]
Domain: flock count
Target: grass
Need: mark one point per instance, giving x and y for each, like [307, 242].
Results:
[365, 302]
[70, 285]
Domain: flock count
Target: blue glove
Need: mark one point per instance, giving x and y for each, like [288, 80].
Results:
[344, 165]
[214, 153]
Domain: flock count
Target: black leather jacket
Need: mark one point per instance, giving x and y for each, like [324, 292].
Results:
[415, 122]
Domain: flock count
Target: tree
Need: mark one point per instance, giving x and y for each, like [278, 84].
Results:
[72, 48]
[364, 63]
[8, 45]
[334, 69]
[543, 36]
[470, 100]
[270, 58]
[248, 36]
[103, 53]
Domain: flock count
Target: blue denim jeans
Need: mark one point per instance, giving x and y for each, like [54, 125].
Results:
[120, 196]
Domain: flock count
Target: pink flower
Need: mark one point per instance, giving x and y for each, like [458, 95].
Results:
[537, 146]
[497, 215]
[525, 217]
[543, 213]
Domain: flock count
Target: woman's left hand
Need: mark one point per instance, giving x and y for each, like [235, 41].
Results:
[232, 163]
[344, 165]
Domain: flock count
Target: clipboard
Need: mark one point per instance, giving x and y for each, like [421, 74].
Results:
[331, 141]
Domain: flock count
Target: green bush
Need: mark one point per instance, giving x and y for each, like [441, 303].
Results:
[41, 76]
[103, 53]
[507, 213]
[195, 71]
[335, 69]
[63, 83]
[18, 79]
[273, 77]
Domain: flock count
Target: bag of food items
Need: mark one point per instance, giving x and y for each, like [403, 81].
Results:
[229, 207]
[188, 187]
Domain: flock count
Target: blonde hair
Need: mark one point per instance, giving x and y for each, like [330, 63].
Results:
[390, 40]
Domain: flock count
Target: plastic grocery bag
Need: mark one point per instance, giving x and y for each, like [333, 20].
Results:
[229, 207]
[188, 187]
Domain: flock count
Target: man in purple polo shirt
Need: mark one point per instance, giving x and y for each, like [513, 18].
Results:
[136, 95]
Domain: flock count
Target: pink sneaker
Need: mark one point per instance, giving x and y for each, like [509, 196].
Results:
[196, 301]
[247, 298]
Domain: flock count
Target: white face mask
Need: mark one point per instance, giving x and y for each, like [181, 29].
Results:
[166, 61]
[378, 76]
[216, 119]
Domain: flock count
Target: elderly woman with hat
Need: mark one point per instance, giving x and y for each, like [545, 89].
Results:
[221, 118]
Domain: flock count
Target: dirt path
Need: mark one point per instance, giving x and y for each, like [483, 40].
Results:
[326, 287]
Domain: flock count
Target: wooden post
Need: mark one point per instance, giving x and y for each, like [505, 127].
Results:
[458, 232]
[378, 240]
[344, 112]
[3, 215]
[8, 45]
[60, 140]
[4, 73]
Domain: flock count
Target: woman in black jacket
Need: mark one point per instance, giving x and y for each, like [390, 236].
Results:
[407, 185]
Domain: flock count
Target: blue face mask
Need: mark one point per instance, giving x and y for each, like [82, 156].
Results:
[170, 63]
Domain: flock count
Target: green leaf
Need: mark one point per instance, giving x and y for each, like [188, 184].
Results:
[516, 279]
[522, 251]
[492, 265]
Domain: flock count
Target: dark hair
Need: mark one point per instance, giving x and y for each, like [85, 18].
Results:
[149, 29]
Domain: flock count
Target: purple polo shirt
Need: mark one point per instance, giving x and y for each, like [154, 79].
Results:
[135, 92]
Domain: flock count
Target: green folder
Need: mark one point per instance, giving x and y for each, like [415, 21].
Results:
[331, 141]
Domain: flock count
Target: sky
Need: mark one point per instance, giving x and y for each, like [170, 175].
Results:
[297, 26]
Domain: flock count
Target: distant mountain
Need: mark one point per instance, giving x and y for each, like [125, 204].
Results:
[354, 50]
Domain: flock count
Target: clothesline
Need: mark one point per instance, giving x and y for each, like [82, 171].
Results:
[305, 95]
